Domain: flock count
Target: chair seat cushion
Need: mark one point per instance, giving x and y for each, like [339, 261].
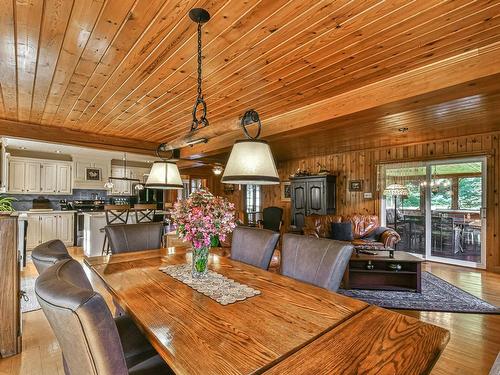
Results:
[136, 348]
[152, 366]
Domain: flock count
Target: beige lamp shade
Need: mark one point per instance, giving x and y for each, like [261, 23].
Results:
[396, 190]
[164, 175]
[251, 163]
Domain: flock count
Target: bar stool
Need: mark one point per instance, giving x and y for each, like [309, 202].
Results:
[115, 214]
[144, 213]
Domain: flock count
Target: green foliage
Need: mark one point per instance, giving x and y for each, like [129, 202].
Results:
[6, 203]
[470, 193]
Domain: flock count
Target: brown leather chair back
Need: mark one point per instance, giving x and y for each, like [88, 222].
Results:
[49, 253]
[81, 321]
[317, 261]
[124, 238]
[362, 225]
[253, 246]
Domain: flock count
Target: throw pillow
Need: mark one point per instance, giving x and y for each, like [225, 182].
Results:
[342, 231]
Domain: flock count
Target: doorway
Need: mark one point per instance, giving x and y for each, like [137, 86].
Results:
[440, 214]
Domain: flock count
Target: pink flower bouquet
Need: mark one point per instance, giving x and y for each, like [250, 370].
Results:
[200, 219]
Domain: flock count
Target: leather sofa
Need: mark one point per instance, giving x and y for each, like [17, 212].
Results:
[366, 230]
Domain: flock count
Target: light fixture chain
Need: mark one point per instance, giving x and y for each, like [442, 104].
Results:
[200, 95]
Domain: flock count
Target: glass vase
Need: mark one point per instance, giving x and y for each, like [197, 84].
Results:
[200, 261]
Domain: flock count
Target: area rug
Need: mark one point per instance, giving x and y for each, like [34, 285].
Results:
[437, 295]
[28, 299]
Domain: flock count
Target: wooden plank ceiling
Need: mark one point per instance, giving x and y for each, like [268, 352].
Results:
[127, 68]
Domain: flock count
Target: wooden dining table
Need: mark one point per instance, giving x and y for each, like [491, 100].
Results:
[289, 328]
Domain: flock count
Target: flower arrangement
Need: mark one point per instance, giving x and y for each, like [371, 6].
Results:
[201, 219]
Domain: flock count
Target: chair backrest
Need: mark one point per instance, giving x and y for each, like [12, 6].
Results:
[81, 321]
[253, 246]
[49, 253]
[144, 213]
[116, 213]
[317, 261]
[124, 238]
[271, 218]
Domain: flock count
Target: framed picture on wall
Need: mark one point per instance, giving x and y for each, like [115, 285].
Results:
[93, 174]
[356, 185]
[286, 193]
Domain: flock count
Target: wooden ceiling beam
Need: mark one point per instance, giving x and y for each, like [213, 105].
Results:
[466, 67]
[28, 130]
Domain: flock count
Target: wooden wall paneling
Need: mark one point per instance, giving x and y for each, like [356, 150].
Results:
[363, 165]
[10, 311]
[8, 63]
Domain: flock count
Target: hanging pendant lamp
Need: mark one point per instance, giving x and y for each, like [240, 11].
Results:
[164, 174]
[251, 161]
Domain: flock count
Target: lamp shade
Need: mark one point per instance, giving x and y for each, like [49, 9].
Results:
[251, 162]
[164, 175]
[396, 190]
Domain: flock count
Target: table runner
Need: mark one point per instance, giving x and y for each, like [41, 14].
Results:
[214, 285]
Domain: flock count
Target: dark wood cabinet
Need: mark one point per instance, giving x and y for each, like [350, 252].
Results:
[312, 195]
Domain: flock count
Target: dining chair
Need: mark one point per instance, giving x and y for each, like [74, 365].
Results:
[115, 214]
[124, 238]
[253, 246]
[92, 342]
[49, 253]
[271, 219]
[145, 213]
[318, 261]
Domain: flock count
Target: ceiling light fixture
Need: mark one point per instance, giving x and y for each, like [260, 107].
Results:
[200, 16]
[218, 169]
[403, 130]
[251, 160]
[109, 184]
[197, 141]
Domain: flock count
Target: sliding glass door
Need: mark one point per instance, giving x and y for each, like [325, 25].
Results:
[441, 215]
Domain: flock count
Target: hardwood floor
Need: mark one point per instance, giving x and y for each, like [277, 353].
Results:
[474, 344]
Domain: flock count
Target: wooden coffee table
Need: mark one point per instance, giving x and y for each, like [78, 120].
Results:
[358, 274]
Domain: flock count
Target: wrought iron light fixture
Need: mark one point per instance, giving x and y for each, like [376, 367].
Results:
[251, 161]
[109, 184]
[200, 16]
[164, 174]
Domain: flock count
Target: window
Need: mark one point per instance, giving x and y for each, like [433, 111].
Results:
[470, 193]
[441, 196]
[253, 203]
[196, 184]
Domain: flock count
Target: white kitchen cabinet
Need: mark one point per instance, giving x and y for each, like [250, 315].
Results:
[16, 176]
[44, 227]
[49, 177]
[32, 177]
[48, 227]
[63, 179]
[29, 176]
[33, 235]
[80, 178]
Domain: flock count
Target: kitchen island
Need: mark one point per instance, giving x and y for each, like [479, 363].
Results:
[93, 230]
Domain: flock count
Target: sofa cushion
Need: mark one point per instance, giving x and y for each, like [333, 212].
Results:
[342, 231]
